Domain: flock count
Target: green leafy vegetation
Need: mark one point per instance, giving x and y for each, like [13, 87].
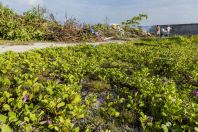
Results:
[135, 21]
[38, 24]
[34, 25]
[149, 85]
[21, 27]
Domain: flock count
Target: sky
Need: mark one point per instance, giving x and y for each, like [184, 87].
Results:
[96, 11]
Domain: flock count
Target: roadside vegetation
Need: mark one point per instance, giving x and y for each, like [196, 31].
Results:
[149, 85]
[38, 24]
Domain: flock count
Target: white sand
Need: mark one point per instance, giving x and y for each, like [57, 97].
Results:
[40, 45]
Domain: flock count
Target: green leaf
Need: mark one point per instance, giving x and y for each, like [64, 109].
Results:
[164, 114]
[77, 129]
[33, 117]
[4, 71]
[6, 94]
[61, 119]
[10, 100]
[28, 83]
[36, 107]
[117, 114]
[76, 99]
[19, 104]
[67, 121]
[61, 104]
[12, 116]
[5, 128]
[81, 116]
[165, 128]
[24, 93]
[52, 104]
[168, 124]
[19, 123]
[56, 128]
[6, 81]
[6, 107]
[26, 119]
[28, 128]
[3, 118]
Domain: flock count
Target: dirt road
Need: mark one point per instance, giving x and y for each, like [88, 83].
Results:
[41, 45]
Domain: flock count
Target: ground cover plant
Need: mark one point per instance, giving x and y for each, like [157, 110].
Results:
[148, 85]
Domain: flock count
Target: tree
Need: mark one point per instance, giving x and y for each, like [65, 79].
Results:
[37, 12]
[135, 21]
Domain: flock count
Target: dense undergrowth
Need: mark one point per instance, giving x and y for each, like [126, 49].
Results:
[38, 24]
[150, 85]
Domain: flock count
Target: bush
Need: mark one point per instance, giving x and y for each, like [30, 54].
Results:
[128, 87]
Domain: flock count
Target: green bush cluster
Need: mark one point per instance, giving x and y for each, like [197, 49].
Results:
[28, 26]
[35, 25]
[39, 24]
[150, 85]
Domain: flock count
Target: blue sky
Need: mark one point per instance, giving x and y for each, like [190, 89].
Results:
[94, 11]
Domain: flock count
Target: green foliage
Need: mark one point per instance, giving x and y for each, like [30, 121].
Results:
[29, 26]
[5, 128]
[38, 24]
[135, 21]
[33, 25]
[131, 26]
[147, 86]
[97, 85]
[36, 12]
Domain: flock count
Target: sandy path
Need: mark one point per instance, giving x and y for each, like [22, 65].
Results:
[40, 45]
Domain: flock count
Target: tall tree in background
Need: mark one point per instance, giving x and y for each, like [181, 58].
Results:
[135, 21]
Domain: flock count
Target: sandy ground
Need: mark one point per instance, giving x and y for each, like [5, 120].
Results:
[40, 45]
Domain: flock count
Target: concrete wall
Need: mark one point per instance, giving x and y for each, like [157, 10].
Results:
[177, 29]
